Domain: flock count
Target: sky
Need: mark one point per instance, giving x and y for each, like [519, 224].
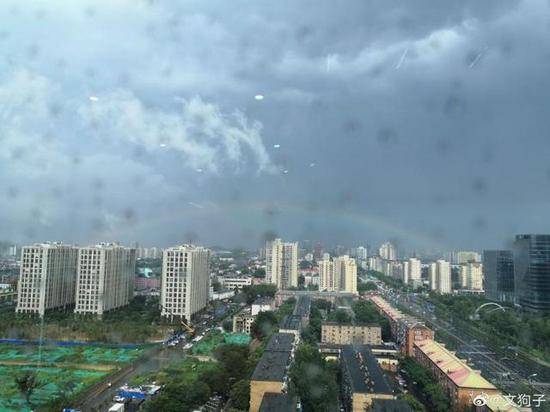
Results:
[225, 123]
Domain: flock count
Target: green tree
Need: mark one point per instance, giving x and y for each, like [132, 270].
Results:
[340, 316]
[313, 380]
[264, 325]
[228, 325]
[240, 395]
[366, 286]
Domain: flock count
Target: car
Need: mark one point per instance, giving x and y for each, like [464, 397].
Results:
[119, 399]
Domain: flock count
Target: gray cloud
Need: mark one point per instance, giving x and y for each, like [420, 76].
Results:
[424, 122]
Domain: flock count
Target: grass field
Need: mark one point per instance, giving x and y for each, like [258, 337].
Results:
[61, 371]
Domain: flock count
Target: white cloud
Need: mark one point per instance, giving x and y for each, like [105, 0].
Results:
[204, 136]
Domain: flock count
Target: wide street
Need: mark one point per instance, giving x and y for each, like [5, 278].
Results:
[505, 367]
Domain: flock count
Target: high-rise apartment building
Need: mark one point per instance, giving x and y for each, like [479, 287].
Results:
[498, 275]
[282, 263]
[340, 274]
[467, 256]
[327, 280]
[443, 276]
[532, 272]
[471, 276]
[361, 252]
[47, 277]
[185, 280]
[440, 276]
[432, 276]
[387, 251]
[415, 271]
[105, 278]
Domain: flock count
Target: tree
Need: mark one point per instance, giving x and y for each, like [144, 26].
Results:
[217, 380]
[366, 286]
[340, 316]
[264, 325]
[27, 383]
[228, 325]
[240, 395]
[259, 273]
[313, 380]
[254, 291]
[229, 356]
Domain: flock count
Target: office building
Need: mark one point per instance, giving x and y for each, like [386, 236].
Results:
[498, 275]
[387, 251]
[47, 277]
[347, 334]
[532, 272]
[282, 263]
[340, 274]
[185, 280]
[105, 278]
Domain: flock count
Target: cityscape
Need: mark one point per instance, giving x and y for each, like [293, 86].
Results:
[286, 206]
[386, 331]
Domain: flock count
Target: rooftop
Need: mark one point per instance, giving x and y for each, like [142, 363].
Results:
[390, 405]
[460, 373]
[329, 323]
[271, 367]
[364, 371]
[263, 300]
[276, 402]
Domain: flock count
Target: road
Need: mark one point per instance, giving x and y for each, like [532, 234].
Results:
[503, 366]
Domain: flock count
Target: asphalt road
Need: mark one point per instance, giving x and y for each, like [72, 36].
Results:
[504, 367]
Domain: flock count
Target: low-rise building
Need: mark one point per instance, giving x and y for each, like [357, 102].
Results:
[237, 282]
[270, 374]
[242, 322]
[362, 379]
[263, 304]
[348, 334]
[459, 381]
[405, 329]
[277, 402]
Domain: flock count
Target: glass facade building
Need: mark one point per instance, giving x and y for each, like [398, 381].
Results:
[498, 275]
[532, 272]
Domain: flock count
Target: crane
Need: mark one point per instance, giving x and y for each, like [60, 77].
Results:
[190, 329]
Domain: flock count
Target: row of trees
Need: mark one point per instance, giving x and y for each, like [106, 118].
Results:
[135, 323]
[314, 380]
[509, 327]
[365, 312]
[425, 386]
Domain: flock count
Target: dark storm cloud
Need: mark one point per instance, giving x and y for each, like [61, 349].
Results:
[425, 122]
